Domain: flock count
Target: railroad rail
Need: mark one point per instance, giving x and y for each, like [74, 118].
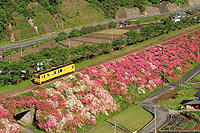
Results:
[138, 48]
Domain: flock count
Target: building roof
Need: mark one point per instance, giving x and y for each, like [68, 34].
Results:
[197, 94]
[193, 102]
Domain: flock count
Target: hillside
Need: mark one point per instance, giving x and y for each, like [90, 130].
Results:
[21, 20]
[71, 14]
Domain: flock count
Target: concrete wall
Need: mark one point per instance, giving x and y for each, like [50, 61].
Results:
[194, 2]
[127, 13]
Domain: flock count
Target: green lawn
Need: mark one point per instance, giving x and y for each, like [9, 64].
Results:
[191, 124]
[133, 119]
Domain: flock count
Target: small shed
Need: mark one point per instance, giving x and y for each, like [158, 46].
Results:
[120, 25]
[194, 104]
[126, 24]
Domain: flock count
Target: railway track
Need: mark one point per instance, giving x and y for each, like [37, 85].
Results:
[139, 48]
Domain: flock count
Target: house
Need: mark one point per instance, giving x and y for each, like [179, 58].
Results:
[120, 25]
[194, 104]
[177, 17]
[123, 24]
[126, 24]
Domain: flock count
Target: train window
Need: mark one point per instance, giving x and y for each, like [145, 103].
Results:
[63, 69]
[54, 72]
[51, 73]
[44, 76]
[60, 70]
[48, 74]
[38, 77]
[72, 66]
[34, 76]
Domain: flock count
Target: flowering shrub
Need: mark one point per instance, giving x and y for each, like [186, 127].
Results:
[78, 99]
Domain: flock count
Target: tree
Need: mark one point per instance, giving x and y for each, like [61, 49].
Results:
[133, 37]
[3, 22]
[61, 36]
[75, 33]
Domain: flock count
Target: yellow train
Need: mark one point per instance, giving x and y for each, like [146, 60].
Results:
[53, 72]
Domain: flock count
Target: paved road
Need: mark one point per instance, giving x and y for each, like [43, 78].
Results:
[14, 45]
[162, 113]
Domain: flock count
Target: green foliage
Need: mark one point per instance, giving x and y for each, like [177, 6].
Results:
[182, 124]
[3, 22]
[75, 33]
[154, 1]
[110, 7]
[8, 52]
[133, 37]
[61, 36]
[191, 124]
[118, 44]
[195, 113]
[112, 24]
[155, 30]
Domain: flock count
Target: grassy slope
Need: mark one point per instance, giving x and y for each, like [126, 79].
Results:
[42, 17]
[75, 13]
[79, 13]
[22, 28]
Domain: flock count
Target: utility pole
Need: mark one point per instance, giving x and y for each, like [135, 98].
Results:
[49, 122]
[115, 125]
[69, 43]
[179, 3]
[112, 34]
[164, 78]
[155, 118]
[198, 52]
[21, 50]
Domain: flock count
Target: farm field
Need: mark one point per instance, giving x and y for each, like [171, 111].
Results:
[179, 96]
[175, 99]
[16, 57]
[131, 119]
[114, 31]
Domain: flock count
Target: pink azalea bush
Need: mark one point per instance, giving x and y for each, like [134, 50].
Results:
[80, 98]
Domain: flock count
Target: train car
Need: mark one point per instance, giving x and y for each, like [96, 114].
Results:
[53, 72]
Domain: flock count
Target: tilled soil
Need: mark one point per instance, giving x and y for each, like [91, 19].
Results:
[197, 126]
[34, 50]
[171, 94]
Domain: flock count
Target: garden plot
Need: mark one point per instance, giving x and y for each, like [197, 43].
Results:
[113, 31]
[84, 39]
[173, 123]
[104, 36]
[73, 43]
